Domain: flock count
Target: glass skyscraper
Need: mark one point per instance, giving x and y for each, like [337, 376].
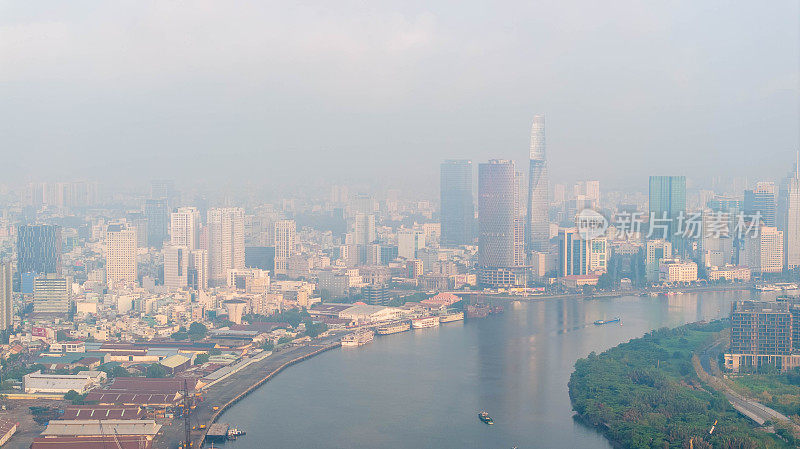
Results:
[667, 203]
[497, 212]
[39, 249]
[538, 235]
[457, 203]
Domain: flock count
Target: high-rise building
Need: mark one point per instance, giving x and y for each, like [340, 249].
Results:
[185, 228]
[667, 204]
[164, 189]
[761, 328]
[577, 256]
[409, 242]
[226, 243]
[498, 224]
[6, 298]
[655, 251]
[284, 245]
[39, 249]
[51, 294]
[363, 229]
[763, 253]
[120, 254]
[157, 213]
[791, 221]
[458, 205]
[185, 268]
[538, 190]
[762, 200]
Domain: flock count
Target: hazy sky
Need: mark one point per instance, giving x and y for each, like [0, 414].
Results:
[270, 92]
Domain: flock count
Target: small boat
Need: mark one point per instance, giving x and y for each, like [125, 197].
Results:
[601, 322]
[483, 416]
[234, 432]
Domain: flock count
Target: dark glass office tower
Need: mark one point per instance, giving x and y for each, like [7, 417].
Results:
[39, 249]
[668, 201]
[458, 207]
[157, 213]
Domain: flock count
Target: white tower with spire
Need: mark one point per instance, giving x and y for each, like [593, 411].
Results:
[538, 232]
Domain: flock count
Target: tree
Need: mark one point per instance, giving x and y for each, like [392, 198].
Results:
[201, 359]
[156, 371]
[197, 331]
[268, 345]
[62, 335]
[283, 340]
[314, 329]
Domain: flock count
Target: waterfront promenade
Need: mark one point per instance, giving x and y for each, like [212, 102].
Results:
[229, 390]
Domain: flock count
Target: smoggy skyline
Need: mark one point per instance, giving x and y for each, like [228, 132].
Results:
[229, 92]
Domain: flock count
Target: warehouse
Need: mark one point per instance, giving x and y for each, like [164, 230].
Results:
[95, 428]
[81, 382]
[102, 442]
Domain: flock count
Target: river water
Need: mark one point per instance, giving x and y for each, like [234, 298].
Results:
[423, 388]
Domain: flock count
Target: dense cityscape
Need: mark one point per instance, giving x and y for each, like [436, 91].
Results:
[375, 225]
[141, 307]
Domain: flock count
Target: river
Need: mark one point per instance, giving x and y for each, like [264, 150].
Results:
[424, 388]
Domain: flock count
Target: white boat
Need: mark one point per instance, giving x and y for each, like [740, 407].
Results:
[359, 338]
[422, 323]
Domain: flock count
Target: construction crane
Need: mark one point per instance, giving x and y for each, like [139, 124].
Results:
[187, 427]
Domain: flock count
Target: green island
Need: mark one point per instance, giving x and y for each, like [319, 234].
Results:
[646, 394]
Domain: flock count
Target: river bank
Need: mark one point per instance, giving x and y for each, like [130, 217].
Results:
[226, 392]
[646, 393]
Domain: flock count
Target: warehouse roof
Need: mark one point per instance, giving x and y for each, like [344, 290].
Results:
[94, 427]
[73, 412]
[105, 442]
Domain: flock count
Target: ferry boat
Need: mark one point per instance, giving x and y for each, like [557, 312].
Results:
[450, 317]
[359, 338]
[612, 320]
[233, 433]
[393, 328]
[422, 323]
[483, 416]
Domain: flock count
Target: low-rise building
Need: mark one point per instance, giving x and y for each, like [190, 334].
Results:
[675, 270]
[81, 382]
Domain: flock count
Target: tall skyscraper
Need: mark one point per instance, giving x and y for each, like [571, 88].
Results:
[762, 200]
[457, 203]
[39, 249]
[791, 225]
[577, 256]
[226, 243]
[120, 255]
[667, 204]
[185, 228]
[157, 213]
[538, 190]
[498, 220]
[6, 299]
[284, 244]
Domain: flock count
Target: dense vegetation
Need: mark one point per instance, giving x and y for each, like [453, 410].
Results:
[646, 394]
[780, 391]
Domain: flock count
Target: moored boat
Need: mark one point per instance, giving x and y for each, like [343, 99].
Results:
[357, 338]
[422, 323]
[483, 416]
[393, 328]
[450, 317]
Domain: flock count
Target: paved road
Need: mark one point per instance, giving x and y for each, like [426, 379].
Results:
[749, 407]
[227, 389]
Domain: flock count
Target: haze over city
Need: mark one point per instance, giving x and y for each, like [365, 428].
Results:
[379, 225]
[256, 93]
